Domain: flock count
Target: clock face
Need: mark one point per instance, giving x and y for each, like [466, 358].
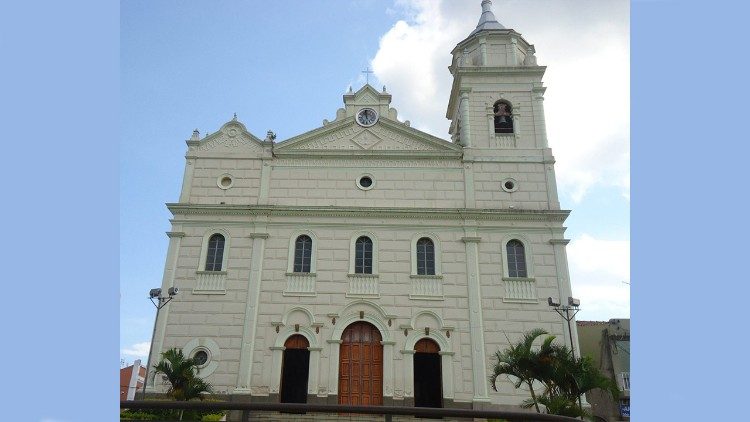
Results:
[367, 117]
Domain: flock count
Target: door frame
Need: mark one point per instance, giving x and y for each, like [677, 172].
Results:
[277, 356]
[335, 342]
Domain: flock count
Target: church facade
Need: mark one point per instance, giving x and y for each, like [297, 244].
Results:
[367, 262]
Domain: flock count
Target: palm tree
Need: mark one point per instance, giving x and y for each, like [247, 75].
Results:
[181, 373]
[565, 377]
[520, 361]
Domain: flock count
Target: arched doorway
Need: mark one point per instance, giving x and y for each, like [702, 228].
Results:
[428, 391]
[295, 368]
[361, 365]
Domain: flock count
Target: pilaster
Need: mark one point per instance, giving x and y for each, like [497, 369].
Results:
[265, 179]
[167, 281]
[540, 125]
[187, 179]
[476, 321]
[251, 312]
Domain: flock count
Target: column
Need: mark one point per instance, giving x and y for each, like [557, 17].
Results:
[388, 366]
[540, 125]
[333, 367]
[408, 373]
[251, 313]
[476, 321]
[314, 370]
[277, 355]
[446, 361]
[464, 137]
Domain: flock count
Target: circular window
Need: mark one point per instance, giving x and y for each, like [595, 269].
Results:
[366, 182]
[225, 181]
[200, 357]
[509, 185]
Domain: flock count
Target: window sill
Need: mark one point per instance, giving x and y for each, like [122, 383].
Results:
[427, 276]
[210, 283]
[301, 274]
[359, 275]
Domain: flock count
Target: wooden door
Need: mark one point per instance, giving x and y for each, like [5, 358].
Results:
[295, 368]
[361, 365]
[428, 381]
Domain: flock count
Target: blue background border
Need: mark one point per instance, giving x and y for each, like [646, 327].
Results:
[59, 80]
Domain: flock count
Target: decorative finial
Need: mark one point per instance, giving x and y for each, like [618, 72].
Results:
[270, 136]
[383, 88]
[350, 88]
[488, 19]
[235, 117]
[530, 59]
[196, 134]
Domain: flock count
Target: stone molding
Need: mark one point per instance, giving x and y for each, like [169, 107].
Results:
[422, 214]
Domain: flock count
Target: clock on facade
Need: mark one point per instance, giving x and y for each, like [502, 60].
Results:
[367, 117]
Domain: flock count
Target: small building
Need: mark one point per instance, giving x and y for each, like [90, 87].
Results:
[608, 343]
[131, 380]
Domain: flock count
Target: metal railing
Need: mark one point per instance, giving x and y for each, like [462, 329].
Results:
[386, 411]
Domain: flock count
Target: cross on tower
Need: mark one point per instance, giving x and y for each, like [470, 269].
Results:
[367, 74]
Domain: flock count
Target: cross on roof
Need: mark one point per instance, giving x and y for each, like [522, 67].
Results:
[367, 74]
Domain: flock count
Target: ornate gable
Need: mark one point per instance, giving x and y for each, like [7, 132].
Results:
[233, 137]
[388, 136]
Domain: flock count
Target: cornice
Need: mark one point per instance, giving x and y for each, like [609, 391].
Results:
[382, 212]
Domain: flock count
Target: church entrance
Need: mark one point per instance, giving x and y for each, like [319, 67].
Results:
[428, 381]
[361, 365]
[295, 367]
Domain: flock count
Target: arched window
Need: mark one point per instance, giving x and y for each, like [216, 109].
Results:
[215, 253]
[363, 255]
[516, 259]
[302, 254]
[425, 257]
[503, 117]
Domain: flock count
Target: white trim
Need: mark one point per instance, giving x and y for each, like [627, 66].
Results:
[221, 178]
[519, 289]
[372, 179]
[513, 181]
[527, 251]
[211, 348]
[375, 315]
[277, 357]
[446, 361]
[313, 255]
[438, 252]
[352, 252]
[204, 248]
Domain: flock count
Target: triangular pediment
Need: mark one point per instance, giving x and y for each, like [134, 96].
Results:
[232, 137]
[386, 137]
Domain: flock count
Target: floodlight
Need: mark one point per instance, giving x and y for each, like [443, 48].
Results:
[574, 302]
[553, 302]
[172, 291]
[154, 293]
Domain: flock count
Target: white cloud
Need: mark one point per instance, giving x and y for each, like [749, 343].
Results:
[585, 46]
[137, 350]
[599, 270]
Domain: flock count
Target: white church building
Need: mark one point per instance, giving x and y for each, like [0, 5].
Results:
[367, 262]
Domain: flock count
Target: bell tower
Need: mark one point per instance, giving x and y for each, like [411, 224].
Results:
[497, 93]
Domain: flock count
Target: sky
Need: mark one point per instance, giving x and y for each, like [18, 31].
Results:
[283, 66]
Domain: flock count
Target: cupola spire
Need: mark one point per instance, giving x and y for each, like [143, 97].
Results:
[488, 19]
